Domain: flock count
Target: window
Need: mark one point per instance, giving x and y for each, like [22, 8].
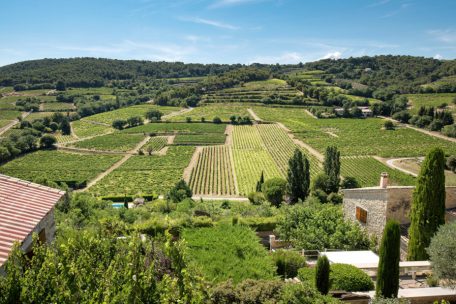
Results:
[42, 236]
[361, 215]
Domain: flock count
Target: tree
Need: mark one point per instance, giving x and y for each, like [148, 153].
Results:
[428, 205]
[388, 265]
[60, 86]
[118, 124]
[154, 115]
[260, 183]
[332, 168]
[350, 182]
[442, 253]
[217, 120]
[135, 121]
[298, 177]
[388, 125]
[451, 163]
[180, 192]
[322, 275]
[274, 190]
[48, 141]
[65, 127]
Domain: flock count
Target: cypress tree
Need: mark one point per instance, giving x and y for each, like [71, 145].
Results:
[322, 275]
[388, 265]
[428, 205]
[332, 168]
[260, 182]
[298, 177]
[65, 127]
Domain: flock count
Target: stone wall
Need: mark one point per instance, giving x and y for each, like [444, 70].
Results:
[48, 224]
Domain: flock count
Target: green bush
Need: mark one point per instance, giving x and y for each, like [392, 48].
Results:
[342, 277]
[288, 262]
[303, 294]
[256, 198]
[248, 292]
[274, 190]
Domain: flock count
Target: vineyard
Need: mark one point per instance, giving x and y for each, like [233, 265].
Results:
[146, 174]
[86, 129]
[58, 106]
[156, 143]
[431, 100]
[111, 142]
[210, 111]
[367, 171]
[58, 166]
[200, 139]
[177, 127]
[213, 174]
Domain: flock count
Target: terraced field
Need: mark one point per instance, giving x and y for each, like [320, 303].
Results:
[111, 142]
[58, 166]
[146, 174]
[86, 129]
[213, 174]
[367, 171]
[209, 111]
[124, 113]
[251, 158]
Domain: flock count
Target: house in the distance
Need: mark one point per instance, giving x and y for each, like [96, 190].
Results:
[25, 208]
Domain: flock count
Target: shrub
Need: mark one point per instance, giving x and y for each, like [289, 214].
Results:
[217, 120]
[256, 198]
[180, 192]
[342, 277]
[248, 292]
[321, 182]
[288, 262]
[119, 124]
[274, 190]
[436, 125]
[48, 141]
[322, 271]
[451, 163]
[303, 293]
[335, 198]
[188, 119]
[350, 182]
[388, 125]
[154, 115]
[450, 130]
[402, 116]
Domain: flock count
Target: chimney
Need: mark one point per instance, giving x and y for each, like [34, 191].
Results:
[384, 180]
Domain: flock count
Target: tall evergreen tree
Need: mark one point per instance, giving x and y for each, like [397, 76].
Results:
[388, 265]
[428, 206]
[260, 182]
[298, 177]
[332, 168]
[65, 127]
[322, 275]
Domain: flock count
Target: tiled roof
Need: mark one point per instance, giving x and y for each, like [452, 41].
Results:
[22, 206]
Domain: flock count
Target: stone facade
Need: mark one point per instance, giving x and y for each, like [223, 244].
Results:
[384, 203]
[48, 224]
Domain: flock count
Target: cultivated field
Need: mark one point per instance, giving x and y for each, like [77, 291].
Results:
[213, 174]
[175, 128]
[86, 129]
[431, 100]
[111, 142]
[156, 143]
[209, 111]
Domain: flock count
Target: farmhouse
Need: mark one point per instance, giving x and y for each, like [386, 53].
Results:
[366, 111]
[372, 207]
[25, 208]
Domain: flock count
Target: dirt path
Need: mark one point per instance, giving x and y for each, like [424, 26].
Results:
[236, 187]
[391, 163]
[193, 162]
[117, 164]
[253, 114]
[310, 114]
[89, 151]
[176, 113]
[301, 144]
[13, 123]
[431, 133]
[229, 135]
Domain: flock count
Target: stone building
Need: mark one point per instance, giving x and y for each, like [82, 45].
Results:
[372, 207]
[25, 208]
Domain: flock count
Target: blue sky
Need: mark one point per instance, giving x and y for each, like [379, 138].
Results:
[225, 31]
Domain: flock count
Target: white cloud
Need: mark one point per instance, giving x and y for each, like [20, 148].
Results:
[447, 36]
[332, 55]
[213, 23]
[438, 56]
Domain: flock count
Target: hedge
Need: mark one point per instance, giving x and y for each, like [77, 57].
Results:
[127, 198]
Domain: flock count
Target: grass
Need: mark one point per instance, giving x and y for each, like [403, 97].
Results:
[86, 129]
[213, 174]
[111, 142]
[127, 112]
[354, 137]
[9, 114]
[200, 139]
[177, 128]
[224, 112]
[431, 100]
[228, 252]
[58, 166]
[58, 106]
[146, 174]
[367, 172]
[90, 91]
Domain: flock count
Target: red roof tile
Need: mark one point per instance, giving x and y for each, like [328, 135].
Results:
[22, 206]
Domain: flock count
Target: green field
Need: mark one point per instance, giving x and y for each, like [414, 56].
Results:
[175, 128]
[38, 115]
[431, 100]
[86, 129]
[228, 252]
[124, 113]
[146, 174]
[9, 115]
[58, 106]
[58, 166]
[111, 142]
[354, 137]
[200, 139]
[209, 111]
[213, 174]
[251, 158]
[367, 172]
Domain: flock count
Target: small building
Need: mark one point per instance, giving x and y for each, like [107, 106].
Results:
[339, 111]
[372, 207]
[366, 112]
[25, 208]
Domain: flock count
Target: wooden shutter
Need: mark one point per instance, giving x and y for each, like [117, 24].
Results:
[361, 215]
